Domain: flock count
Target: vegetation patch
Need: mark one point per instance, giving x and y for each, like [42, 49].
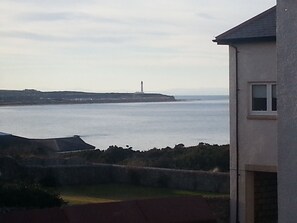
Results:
[28, 196]
[201, 157]
[118, 192]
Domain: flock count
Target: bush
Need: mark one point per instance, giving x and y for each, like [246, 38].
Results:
[28, 195]
[201, 157]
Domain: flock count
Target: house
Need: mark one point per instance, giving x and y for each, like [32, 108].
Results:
[253, 118]
[12, 143]
[263, 60]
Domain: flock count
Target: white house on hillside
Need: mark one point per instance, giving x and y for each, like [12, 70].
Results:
[253, 118]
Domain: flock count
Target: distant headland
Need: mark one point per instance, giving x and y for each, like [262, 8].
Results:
[35, 97]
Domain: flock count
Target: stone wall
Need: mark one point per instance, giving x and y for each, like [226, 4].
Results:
[105, 173]
[171, 178]
[154, 177]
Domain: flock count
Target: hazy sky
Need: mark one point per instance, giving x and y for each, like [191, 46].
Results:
[112, 45]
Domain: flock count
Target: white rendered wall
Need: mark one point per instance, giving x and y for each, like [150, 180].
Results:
[257, 135]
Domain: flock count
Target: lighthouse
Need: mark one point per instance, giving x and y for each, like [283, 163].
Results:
[141, 87]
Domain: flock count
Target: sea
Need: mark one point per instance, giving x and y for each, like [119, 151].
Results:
[142, 126]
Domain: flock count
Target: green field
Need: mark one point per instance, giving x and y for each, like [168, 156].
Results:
[117, 192]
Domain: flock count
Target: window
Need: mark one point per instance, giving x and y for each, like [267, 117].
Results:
[263, 98]
[259, 97]
[273, 93]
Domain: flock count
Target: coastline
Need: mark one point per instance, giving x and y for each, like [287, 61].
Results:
[34, 97]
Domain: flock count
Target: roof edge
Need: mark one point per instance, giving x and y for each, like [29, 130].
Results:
[246, 40]
[220, 38]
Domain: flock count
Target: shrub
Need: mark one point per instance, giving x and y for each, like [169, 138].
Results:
[200, 157]
[28, 195]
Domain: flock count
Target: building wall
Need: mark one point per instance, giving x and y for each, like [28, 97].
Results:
[287, 123]
[257, 136]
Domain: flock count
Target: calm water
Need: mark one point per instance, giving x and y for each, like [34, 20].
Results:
[140, 125]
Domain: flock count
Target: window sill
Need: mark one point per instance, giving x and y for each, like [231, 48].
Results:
[262, 117]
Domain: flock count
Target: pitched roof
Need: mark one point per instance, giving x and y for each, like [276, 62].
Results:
[66, 144]
[259, 28]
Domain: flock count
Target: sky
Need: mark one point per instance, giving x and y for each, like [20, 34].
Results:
[113, 45]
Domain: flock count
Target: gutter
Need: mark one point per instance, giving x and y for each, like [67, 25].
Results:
[221, 42]
[236, 133]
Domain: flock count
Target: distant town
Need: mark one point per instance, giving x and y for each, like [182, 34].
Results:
[35, 97]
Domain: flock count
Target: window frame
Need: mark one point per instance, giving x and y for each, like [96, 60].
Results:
[269, 97]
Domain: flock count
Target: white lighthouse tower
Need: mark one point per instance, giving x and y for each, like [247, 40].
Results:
[141, 87]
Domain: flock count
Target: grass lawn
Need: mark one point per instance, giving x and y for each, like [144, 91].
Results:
[119, 192]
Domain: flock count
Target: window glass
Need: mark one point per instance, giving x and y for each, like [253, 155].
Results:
[259, 95]
[273, 96]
